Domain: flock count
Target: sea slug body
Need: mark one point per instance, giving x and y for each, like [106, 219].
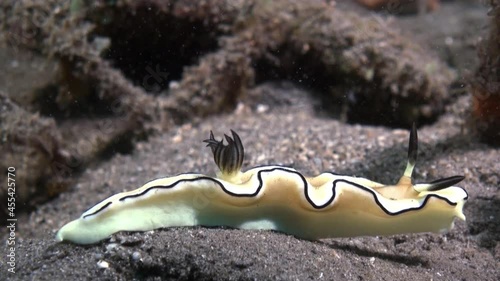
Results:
[278, 198]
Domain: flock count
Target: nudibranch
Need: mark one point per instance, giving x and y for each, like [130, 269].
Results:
[276, 198]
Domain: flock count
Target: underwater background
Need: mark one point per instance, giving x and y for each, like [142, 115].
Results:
[99, 97]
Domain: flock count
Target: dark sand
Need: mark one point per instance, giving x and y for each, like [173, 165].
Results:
[309, 143]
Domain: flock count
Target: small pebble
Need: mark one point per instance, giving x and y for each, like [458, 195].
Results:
[102, 264]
